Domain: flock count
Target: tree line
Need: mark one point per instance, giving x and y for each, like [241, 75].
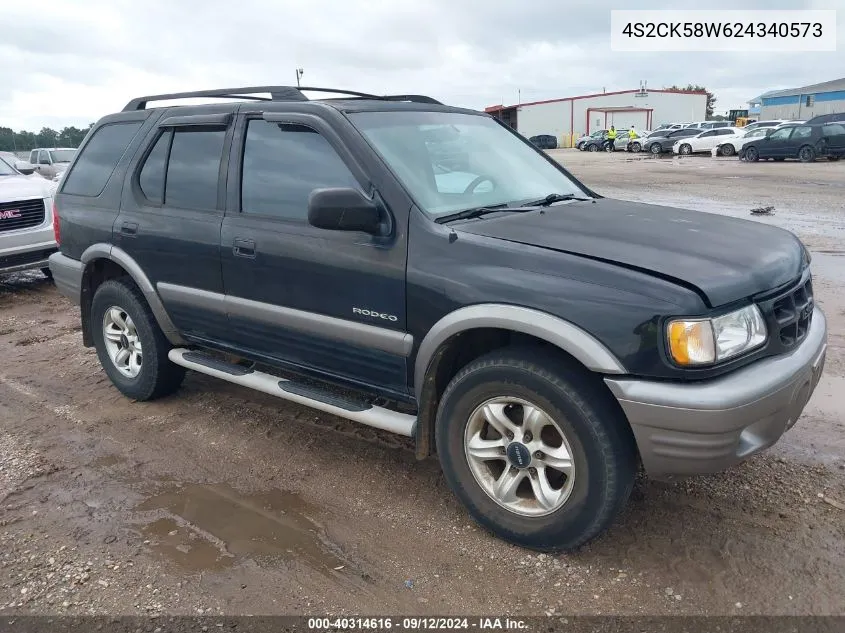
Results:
[11, 141]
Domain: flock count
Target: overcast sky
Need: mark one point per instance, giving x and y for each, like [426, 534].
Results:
[68, 62]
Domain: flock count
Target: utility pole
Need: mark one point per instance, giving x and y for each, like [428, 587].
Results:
[299, 73]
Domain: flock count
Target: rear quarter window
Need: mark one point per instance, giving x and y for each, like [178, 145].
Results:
[100, 155]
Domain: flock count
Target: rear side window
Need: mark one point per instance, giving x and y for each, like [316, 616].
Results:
[802, 132]
[99, 157]
[152, 174]
[193, 168]
[282, 165]
[833, 129]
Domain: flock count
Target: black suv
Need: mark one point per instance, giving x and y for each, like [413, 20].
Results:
[804, 141]
[541, 339]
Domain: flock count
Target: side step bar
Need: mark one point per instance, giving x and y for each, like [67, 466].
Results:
[359, 411]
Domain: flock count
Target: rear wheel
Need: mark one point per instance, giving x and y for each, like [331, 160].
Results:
[535, 450]
[806, 154]
[636, 147]
[752, 155]
[131, 347]
[727, 150]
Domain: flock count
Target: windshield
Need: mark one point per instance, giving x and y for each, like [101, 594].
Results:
[62, 155]
[6, 169]
[451, 162]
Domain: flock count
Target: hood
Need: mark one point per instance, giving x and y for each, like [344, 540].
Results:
[23, 188]
[725, 259]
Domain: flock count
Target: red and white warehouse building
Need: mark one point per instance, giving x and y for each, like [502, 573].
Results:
[570, 117]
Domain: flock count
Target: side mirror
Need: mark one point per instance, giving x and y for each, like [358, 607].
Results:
[343, 209]
[25, 167]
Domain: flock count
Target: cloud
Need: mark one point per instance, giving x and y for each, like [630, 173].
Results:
[70, 63]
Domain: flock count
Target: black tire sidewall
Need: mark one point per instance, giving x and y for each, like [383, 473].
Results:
[561, 528]
[119, 294]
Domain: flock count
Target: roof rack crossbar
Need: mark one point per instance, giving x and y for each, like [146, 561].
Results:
[277, 93]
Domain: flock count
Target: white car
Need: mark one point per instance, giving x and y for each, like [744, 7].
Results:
[703, 142]
[730, 145]
[26, 221]
[23, 166]
[767, 123]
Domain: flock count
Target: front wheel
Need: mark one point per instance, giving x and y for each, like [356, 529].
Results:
[655, 149]
[594, 148]
[536, 450]
[636, 147]
[131, 347]
[752, 155]
[685, 149]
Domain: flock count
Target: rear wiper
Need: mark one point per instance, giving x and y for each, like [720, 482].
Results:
[479, 211]
[551, 199]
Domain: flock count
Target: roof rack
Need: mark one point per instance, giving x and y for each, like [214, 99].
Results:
[277, 93]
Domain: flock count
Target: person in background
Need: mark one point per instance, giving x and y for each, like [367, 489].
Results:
[611, 139]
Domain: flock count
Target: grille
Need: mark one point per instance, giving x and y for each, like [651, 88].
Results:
[791, 314]
[22, 214]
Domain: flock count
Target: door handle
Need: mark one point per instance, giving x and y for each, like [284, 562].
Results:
[243, 248]
[130, 229]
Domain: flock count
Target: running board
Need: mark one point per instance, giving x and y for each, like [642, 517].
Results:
[359, 411]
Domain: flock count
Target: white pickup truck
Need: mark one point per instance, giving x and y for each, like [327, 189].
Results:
[26, 221]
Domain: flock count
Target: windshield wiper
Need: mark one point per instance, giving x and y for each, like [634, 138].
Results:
[479, 211]
[551, 199]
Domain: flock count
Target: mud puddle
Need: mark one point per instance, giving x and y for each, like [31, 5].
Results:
[211, 527]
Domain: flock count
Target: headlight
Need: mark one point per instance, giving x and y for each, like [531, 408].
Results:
[707, 341]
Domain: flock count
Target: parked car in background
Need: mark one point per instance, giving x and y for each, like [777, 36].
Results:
[804, 142]
[598, 134]
[51, 162]
[769, 123]
[595, 141]
[659, 144]
[827, 118]
[544, 141]
[23, 166]
[714, 125]
[703, 142]
[26, 221]
[730, 145]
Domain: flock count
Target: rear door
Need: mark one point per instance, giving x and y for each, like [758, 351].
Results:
[800, 136]
[331, 303]
[834, 136]
[171, 215]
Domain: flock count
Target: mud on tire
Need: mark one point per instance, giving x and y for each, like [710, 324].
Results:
[603, 452]
[155, 375]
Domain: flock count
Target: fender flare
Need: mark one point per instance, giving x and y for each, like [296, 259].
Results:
[582, 345]
[125, 261]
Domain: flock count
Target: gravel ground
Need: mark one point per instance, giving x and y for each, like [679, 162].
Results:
[218, 500]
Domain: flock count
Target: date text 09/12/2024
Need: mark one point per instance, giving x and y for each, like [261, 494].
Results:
[416, 624]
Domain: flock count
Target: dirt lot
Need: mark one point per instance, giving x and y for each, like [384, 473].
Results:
[219, 500]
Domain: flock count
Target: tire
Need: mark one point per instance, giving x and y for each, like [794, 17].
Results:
[685, 149]
[727, 150]
[148, 373]
[752, 155]
[806, 154]
[636, 147]
[592, 431]
[655, 149]
[47, 273]
[593, 147]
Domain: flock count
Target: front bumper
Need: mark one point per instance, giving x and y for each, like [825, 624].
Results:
[703, 427]
[32, 256]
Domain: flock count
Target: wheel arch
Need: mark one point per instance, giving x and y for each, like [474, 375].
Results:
[105, 261]
[463, 335]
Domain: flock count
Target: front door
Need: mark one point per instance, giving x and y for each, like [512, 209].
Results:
[332, 302]
[170, 218]
[777, 145]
